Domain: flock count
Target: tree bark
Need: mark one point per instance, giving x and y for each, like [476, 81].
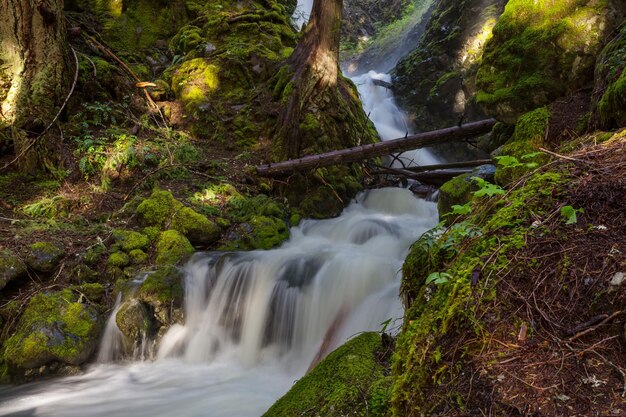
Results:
[315, 65]
[35, 54]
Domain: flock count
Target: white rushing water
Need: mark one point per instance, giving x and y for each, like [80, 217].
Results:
[255, 321]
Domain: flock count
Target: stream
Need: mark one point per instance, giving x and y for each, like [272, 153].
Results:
[255, 321]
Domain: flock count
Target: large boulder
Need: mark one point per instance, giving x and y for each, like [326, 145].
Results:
[542, 50]
[58, 326]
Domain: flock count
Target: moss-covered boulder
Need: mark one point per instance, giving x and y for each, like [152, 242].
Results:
[457, 191]
[163, 292]
[164, 211]
[58, 326]
[529, 135]
[11, 268]
[128, 240]
[610, 84]
[44, 256]
[540, 50]
[134, 320]
[172, 247]
[352, 380]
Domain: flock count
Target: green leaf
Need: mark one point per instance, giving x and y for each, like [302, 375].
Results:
[462, 210]
[569, 214]
[531, 155]
[507, 161]
[438, 278]
[487, 188]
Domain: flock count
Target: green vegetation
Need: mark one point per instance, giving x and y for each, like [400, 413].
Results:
[352, 380]
[539, 52]
[172, 247]
[55, 326]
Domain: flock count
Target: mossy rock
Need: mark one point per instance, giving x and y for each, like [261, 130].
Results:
[138, 257]
[457, 191]
[93, 291]
[541, 50]
[11, 268]
[610, 84]
[172, 248]
[118, 259]
[529, 135]
[352, 380]
[163, 291]
[128, 240]
[44, 256]
[134, 320]
[164, 211]
[259, 232]
[54, 327]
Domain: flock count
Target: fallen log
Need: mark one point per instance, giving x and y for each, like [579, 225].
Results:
[435, 177]
[374, 150]
[382, 83]
[464, 164]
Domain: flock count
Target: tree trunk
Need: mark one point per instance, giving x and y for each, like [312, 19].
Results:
[34, 54]
[315, 65]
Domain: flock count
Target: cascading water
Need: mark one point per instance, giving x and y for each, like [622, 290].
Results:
[255, 321]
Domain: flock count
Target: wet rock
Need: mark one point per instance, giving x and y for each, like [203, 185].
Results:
[11, 268]
[134, 320]
[45, 256]
[162, 290]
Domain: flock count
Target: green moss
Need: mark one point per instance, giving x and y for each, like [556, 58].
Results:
[529, 135]
[54, 326]
[458, 190]
[119, 259]
[94, 291]
[538, 52]
[172, 247]
[93, 255]
[162, 287]
[11, 268]
[350, 381]
[138, 257]
[164, 211]
[133, 320]
[195, 80]
[611, 79]
[129, 240]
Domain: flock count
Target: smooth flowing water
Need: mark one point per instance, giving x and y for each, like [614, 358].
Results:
[255, 321]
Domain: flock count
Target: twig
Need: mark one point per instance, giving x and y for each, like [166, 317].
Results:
[568, 158]
[34, 141]
[593, 328]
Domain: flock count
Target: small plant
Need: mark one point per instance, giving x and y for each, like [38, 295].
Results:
[569, 214]
[438, 278]
[508, 161]
[463, 210]
[486, 188]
